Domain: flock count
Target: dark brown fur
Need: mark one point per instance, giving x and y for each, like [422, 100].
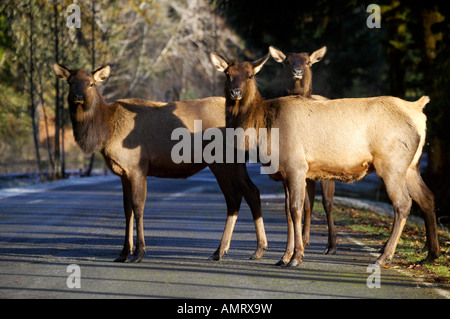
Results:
[297, 74]
[134, 137]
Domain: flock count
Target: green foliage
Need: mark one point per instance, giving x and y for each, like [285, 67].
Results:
[14, 121]
[372, 229]
[157, 50]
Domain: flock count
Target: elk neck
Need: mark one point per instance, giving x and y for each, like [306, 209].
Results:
[250, 111]
[92, 123]
[301, 87]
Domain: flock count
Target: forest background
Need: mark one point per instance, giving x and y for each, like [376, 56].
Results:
[158, 50]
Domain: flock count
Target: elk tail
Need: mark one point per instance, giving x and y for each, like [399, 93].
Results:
[422, 102]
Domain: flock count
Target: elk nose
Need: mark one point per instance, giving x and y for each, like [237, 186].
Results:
[78, 97]
[297, 72]
[236, 94]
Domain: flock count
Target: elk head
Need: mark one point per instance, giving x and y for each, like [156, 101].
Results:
[297, 70]
[82, 91]
[88, 111]
[240, 85]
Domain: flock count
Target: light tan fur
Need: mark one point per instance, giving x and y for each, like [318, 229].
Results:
[293, 84]
[343, 140]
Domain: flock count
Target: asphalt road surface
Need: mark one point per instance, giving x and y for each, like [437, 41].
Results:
[45, 231]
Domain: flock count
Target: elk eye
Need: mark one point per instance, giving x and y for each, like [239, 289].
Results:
[91, 84]
[250, 76]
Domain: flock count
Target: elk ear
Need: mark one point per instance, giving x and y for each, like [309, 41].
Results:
[61, 71]
[316, 56]
[277, 55]
[102, 74]
[219, 62]
[258, 64]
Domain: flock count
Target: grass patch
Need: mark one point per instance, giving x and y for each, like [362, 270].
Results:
[374, 230]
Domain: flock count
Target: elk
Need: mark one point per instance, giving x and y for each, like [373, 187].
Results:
[297, 80]
[297, 75]
[385, 134]
[134, 137]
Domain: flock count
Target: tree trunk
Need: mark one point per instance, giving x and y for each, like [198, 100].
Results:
[32, 103]
[91, 161]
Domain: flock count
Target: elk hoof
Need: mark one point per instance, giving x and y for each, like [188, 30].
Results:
[121, 259]
[330, 251]
[258, 254]
[214, 257]
[281, 263]
[137, 259]
[293, 263]
[138, 256]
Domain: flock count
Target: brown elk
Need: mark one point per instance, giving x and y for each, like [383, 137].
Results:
[134, 137]
[297, 80]
[385, 134]
[297, 75]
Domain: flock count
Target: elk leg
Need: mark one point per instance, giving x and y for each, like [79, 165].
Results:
[253, 199]
[290, 231]
[297, 188]
[139, 193]
[398, 193]
[308, 208]
[327, 202]
[233, 198]
[226, 237]
[424, 197]
[128, 209]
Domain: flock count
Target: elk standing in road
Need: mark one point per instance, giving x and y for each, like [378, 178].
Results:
[134, 137]
[385, 134]
[297, 80]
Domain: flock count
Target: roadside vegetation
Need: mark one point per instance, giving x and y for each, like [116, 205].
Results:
[373, 230]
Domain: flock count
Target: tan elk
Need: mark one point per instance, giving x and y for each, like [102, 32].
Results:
[297, 80]
[134, 137]
[385, 134]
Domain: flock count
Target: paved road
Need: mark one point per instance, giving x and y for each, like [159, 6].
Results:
[82, 223]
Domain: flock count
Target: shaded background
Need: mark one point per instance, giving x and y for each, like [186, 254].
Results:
[159, 50]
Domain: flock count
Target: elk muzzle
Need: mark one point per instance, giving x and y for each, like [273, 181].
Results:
[297, 73]
[78, 98]
[236, 94]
